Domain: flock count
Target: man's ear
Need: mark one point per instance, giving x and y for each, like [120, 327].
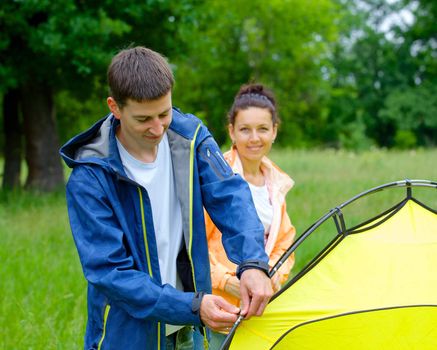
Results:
[113, 107]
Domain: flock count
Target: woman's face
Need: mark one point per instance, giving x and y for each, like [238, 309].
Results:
[253, 133]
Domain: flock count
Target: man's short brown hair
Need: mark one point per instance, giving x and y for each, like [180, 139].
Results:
[139, 74]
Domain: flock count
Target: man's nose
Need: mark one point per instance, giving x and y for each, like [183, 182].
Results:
[157, 128]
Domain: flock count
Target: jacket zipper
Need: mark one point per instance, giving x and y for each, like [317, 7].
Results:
[216, 161]
[146, 248]
[190, 229]
[191, 205]
[105, 320]
[143, 225]
[193, 141]
[222, 161]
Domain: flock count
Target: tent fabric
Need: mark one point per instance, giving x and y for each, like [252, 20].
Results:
[375, 289]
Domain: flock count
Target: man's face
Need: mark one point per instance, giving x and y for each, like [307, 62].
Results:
[142, 124]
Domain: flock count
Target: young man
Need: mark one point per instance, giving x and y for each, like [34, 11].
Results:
[141, 177]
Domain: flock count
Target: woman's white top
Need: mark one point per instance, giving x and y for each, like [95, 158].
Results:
[264, 208]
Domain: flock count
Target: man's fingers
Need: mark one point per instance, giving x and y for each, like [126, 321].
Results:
[221, 326]
[256, 307]
[245, 301]
[256, 291]
[223, 317]
[217, 313]
[261, 307]
[228, 307]
[221, 321]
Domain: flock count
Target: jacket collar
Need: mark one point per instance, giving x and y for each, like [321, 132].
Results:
[98, 143]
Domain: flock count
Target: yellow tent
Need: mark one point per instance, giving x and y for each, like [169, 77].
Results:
[373, 287]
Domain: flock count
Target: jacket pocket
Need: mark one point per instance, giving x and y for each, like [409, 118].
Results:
[215, 160]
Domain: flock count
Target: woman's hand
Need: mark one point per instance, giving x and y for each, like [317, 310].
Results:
[232, 286]
[276, 283]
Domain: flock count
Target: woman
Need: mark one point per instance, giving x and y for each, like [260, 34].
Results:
[253, 125]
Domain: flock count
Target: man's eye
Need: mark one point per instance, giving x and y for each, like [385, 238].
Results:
[142, 120]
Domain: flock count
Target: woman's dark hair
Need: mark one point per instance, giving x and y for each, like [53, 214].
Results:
[253, 95]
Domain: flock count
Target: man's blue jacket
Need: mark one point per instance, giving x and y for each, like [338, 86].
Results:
[111, 220]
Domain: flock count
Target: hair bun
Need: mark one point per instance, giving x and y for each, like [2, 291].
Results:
[251, 89]
[253, 95]
[256, 89]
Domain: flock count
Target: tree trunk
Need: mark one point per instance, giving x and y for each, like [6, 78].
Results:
[42, 143]
[13, 140]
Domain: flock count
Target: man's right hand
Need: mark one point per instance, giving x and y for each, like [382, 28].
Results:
[217, 313]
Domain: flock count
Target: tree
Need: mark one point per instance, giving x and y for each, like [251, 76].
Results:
[52, 46]
[384, 66]
[283, 44]
[13, 144]
[45, 46]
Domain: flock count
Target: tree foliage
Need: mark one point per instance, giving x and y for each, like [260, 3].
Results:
[51, 46]
[383, 67]
[283, 44]
[346, 73]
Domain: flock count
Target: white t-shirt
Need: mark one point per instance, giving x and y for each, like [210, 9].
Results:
[158, 179]
[264, 208]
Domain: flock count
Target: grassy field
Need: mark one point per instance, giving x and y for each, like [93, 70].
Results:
[326, 179]
[42, 289]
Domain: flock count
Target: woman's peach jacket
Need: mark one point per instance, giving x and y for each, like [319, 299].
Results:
[281, 234]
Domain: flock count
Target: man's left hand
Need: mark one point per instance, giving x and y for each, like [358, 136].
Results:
[256, 291]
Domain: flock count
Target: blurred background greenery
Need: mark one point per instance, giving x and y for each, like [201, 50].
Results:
[348, 74]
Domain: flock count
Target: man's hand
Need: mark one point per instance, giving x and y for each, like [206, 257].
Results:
[217, 313]
[256, 291]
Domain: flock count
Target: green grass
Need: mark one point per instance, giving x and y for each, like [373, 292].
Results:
[42, 289]
[326, 179]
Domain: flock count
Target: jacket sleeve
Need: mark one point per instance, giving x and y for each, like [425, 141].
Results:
[107, 262]
[227, 199]
[284, 240]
